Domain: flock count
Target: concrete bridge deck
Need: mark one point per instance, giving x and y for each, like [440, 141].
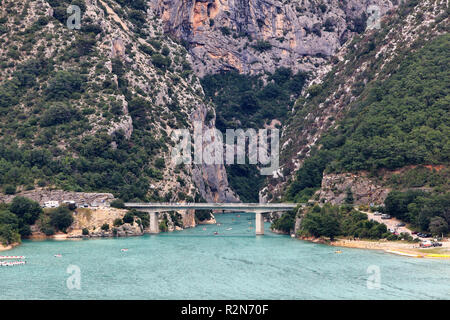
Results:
[258, 208]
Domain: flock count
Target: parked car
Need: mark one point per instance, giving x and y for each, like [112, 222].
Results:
[385, 216]
[437, 244]
[424, 235]
[401, 224]
[377, 213]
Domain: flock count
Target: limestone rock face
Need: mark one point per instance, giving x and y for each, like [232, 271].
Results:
[210, 179]
[253, 36]
[335, 188]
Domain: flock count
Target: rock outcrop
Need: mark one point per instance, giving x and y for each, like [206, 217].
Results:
[336, 188]
[43, 195]
[210, 179]
[254, 36]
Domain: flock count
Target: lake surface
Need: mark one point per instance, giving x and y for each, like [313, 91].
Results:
[236, 264]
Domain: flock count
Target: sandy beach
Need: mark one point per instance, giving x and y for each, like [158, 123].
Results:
[397, 247]
[9, 247]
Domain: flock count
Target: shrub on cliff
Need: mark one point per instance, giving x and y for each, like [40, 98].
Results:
[262, 46]
[117, 222]
[128, 218]
[9, 189]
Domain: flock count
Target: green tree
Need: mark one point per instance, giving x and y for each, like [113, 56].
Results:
[8, 235]
[128, 217]
[26, 209]
[61, 218]
[6, 217]
[438, 226]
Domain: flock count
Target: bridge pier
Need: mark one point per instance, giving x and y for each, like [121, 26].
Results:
[154, 225]
[259, 223]
[258, 208]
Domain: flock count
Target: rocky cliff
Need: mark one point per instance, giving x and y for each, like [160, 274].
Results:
[254, 36]
[97, 103]
[356, 188]
[370, 57]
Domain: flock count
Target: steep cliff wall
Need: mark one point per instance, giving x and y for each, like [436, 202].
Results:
[253, 36]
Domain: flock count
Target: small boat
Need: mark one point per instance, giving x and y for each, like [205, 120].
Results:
[228, 229]
[219, 224]
[216, 233]
[204, 229]
[124, 250]
[338, 251]
[238, 216]
[58, 255]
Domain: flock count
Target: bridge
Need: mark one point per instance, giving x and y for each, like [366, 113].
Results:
[258, 208]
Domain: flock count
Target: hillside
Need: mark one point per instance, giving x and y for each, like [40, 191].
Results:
[384, 105]
[93, 109]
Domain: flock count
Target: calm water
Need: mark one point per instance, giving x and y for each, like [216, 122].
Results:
[195, 264]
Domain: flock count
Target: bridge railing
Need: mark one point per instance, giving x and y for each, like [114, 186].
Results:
[209, 205]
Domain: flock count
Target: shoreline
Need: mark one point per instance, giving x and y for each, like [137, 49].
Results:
[401, 248]
[8, 247]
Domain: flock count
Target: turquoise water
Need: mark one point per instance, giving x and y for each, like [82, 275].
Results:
[195, 264]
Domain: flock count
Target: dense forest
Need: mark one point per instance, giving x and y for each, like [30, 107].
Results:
[244, 101]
